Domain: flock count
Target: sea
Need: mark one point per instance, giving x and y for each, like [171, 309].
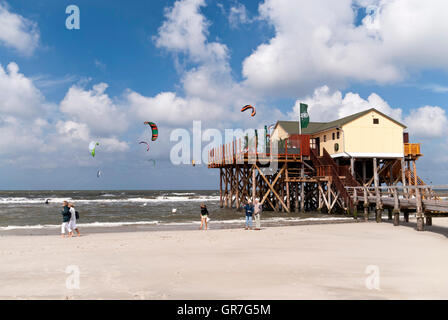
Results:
[125, 210]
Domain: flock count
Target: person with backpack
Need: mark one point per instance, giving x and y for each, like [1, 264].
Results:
[72, 223]
[65, 218]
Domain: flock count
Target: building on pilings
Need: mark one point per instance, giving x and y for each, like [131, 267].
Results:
[312, 170]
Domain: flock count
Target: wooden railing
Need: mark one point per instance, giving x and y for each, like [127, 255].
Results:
[236, 152]
[407, 197]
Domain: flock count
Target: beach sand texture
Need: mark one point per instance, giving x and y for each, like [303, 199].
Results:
[297, 262]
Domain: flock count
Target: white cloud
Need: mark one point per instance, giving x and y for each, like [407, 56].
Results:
[18, 95]
[185, 30]
[238, 15]
[428, 122]
[326, 105]
[18, 137]
[95, 108]
[171, 109]
[17, 32]
[209, 89]
[317, 43]
[32, 131]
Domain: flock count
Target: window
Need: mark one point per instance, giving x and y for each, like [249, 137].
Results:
[313, 144]
[325, 138]
[376, 121]
[337, 135]
[333, 135]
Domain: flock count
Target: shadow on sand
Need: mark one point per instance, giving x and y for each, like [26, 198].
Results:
[434, 228]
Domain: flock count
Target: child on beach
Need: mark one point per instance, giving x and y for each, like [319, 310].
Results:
[65, 218]
[72, 223]
[249, 212]
[204, 216]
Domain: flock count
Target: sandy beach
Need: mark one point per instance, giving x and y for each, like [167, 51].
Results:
[296, 262]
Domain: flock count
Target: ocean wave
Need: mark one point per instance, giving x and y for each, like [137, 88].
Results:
[20, 200]
[182, 193]
[154, 222]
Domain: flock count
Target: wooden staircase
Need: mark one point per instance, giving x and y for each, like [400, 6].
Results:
[341, 176]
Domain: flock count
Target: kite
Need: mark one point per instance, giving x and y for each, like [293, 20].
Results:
[155, 130]
[153, 161]
[249, 107]
[147, 144]
[92, 147]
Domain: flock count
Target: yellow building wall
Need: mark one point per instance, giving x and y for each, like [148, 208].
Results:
[329, 143]
[279, 134]
[365, 137]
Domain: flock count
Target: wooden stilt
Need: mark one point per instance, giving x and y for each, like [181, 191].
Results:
[420, 222]
[366, 205]
[352, 166]
[254, 183]
[302, 189]
[364, 172]
[220, 188]
[296, 198]
[396, 208]
[288, 198]
[379, 211]
[428, 220]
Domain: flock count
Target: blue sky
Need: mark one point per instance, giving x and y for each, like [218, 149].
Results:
[173, 62]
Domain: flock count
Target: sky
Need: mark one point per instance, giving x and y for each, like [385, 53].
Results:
[175, 62]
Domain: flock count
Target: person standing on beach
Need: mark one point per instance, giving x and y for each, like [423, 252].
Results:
[249, 212]
[72, 223]
[204, 216]
[65, 218]
[258, 207]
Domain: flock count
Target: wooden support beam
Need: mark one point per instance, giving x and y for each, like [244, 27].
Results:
[302, 189]
[296, 197]
[220, 188]
[237, 185]
[271, 188]
[352, 166]
[366, 205]
[420, 222]
[396, 208]
[254, 183]
[379, 209]
[324, 197]
[288, 198]
[320, 197]
[364, 172]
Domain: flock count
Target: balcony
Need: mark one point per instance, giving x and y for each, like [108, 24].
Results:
[412, 150]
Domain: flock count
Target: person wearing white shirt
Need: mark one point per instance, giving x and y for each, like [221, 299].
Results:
[72, 224]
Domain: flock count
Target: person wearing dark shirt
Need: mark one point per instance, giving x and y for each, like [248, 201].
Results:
[65, 218]
[204, 216]
[249, 212]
